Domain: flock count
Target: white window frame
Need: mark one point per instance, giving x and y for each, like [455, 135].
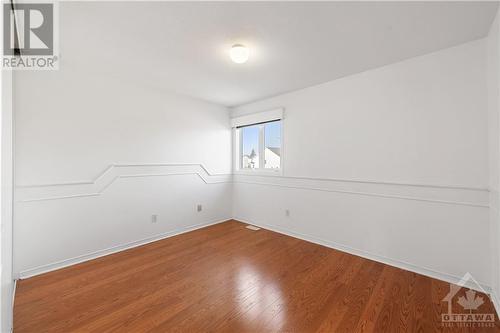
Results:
[256, 119]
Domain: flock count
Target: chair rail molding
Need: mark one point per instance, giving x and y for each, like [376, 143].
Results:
[441, 194]
[75, 189]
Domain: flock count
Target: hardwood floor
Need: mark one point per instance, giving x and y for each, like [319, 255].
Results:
[226, 278]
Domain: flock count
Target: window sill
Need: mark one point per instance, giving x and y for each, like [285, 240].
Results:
[259, 172]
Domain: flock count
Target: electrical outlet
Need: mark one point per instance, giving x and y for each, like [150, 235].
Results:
[287, 212]
[199, 208]
[154, 218]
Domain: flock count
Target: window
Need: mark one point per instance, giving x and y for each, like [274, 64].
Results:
[260, 146]
[258, 141]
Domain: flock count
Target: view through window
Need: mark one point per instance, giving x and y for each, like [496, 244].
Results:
[250, 144]
[260, 146]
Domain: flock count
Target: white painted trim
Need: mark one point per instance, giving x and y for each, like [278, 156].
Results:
[7, 161]
[367, 255]
[262, 148]
[239, 153]
[112, 166]
[309, 188]
[104, 252]
[14, 294]
[381, 182]
[117, 165]
[259, 117]
[459, 203]
[282, 149]
[79, 189]
[14, 289]
[258, 172]
[109, 176]
[61, 197]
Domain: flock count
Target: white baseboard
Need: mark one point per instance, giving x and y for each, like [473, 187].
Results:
[86, 257]
[14, 293]
[367, 255]
[14, 288]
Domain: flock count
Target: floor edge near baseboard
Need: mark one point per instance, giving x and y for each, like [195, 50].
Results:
[496, 302]
[114, 249]
[367, 255]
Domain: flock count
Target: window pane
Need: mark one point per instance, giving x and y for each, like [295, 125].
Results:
[250, 147]
[272, 142]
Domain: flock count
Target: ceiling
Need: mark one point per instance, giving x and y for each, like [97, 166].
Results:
[183, 47]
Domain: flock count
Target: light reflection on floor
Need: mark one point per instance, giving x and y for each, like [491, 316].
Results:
[259, 299]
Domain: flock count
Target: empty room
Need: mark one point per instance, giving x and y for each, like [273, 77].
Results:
[250, 166]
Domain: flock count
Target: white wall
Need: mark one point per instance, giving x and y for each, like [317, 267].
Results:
[494, 146]
[70, 126]
[6, 195]
[421, 122]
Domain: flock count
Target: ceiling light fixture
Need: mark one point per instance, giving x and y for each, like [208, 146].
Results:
[239, 53]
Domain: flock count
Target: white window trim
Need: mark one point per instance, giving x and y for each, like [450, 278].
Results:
[261, 117]
[255, 118]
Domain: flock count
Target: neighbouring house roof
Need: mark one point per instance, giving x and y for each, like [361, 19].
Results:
[275, 150]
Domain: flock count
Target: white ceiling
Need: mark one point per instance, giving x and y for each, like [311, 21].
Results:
[183, 47]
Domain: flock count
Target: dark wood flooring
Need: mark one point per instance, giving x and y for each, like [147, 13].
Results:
[226, 278]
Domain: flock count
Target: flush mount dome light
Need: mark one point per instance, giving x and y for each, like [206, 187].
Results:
[239, 53]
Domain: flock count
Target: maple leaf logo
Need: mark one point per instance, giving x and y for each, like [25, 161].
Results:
[470, 301]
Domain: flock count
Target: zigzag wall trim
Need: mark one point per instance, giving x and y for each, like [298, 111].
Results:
[477, 197]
